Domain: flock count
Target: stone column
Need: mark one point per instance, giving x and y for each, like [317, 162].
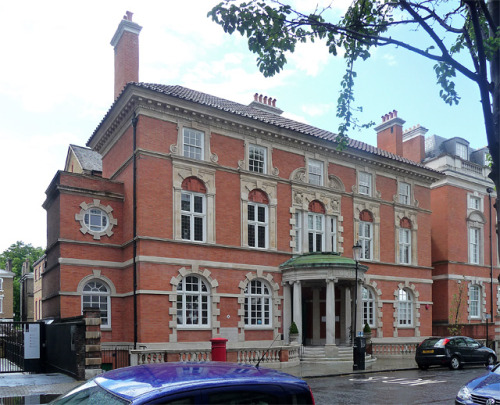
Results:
[331, 350]
[287, 311]
[297, 307]
[346, 315]
[359, 316]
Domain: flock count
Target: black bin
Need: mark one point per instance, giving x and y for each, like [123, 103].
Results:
[359, 351]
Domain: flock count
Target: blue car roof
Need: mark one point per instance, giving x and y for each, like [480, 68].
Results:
[143, 380]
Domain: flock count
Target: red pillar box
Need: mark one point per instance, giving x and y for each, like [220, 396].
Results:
[218, 349]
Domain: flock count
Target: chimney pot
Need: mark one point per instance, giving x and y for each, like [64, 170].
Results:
[274, 102]
[260, 98]
[128, 15]
[256, 97]
[265, 99]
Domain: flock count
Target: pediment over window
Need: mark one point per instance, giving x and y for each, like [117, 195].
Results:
[476, 216]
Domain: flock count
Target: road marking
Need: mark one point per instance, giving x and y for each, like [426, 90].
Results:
[394, 380]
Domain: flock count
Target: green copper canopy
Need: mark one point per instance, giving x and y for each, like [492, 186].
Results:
[318, 259]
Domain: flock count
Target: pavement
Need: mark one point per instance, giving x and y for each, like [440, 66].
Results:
[42, 388]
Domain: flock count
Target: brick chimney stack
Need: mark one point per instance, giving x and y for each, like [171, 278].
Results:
[390, 133]
[414, 143]
[126, 45]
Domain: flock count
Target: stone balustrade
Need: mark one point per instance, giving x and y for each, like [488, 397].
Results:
[276, 355]
[393, 349]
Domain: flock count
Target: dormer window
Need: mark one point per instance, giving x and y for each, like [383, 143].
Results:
[461, 151]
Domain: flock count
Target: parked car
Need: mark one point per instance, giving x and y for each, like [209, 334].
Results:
[481, 390]
[452, 351]
[191, 383]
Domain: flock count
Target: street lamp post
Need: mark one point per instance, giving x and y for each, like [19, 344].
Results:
[356, 254]
[489, 190]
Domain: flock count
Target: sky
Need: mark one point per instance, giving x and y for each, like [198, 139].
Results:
[56, 84]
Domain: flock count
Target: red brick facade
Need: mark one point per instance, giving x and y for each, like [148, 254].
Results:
[247, 224]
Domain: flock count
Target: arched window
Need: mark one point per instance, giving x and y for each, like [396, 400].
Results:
[96, 294]
[193, 210]
[368, 306]
[405, 308]
[257, 304]
[193, 302]
[474, 301]
[366, 234]
[258, 219]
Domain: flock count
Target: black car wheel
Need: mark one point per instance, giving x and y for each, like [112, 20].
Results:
[423, 366]
[455, 363]
[490, 360]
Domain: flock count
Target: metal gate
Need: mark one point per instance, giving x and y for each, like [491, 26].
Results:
[20, 346]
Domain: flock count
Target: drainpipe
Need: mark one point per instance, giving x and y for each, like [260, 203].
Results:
[134, 220]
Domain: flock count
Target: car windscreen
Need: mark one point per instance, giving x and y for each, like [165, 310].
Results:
[89, 393]
[430, 342]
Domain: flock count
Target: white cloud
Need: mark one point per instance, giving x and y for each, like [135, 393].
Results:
[317, 110]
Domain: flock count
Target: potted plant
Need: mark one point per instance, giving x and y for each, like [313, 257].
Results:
[367, 332]
[294, 333]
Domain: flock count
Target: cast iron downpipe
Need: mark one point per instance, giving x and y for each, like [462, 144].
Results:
[134, 220]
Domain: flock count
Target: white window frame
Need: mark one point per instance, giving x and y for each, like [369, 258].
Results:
[315, 172]
[94, 214]
[255, 224]
[193, 215]
[475, 301]
[475, 203]
[462, 151]
[333, 233]
[100, 297]
[298, 232]
[365, 240]
[474, 245]
[368, 298]
[260, 312]
[1, 284]
[365, 181]
[404, 246]
[405, 308]
[193, 143]
[404, 193]
[256, 165]
[313, 231]
[187, 296]
[1, 304]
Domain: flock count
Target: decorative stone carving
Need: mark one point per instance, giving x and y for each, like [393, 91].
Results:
[174, 149]
[335, 183]
[299, 175]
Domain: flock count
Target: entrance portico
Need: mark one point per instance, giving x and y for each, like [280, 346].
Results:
[318, 295]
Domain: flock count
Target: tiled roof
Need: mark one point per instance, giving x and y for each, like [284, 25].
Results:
[89, 159]
[232, 107]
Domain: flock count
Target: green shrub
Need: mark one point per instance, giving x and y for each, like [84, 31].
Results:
[294, 329]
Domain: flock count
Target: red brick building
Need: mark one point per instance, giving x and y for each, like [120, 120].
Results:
[209, 218]
[465, 289]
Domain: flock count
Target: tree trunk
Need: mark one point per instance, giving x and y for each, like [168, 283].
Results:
[493, 144]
